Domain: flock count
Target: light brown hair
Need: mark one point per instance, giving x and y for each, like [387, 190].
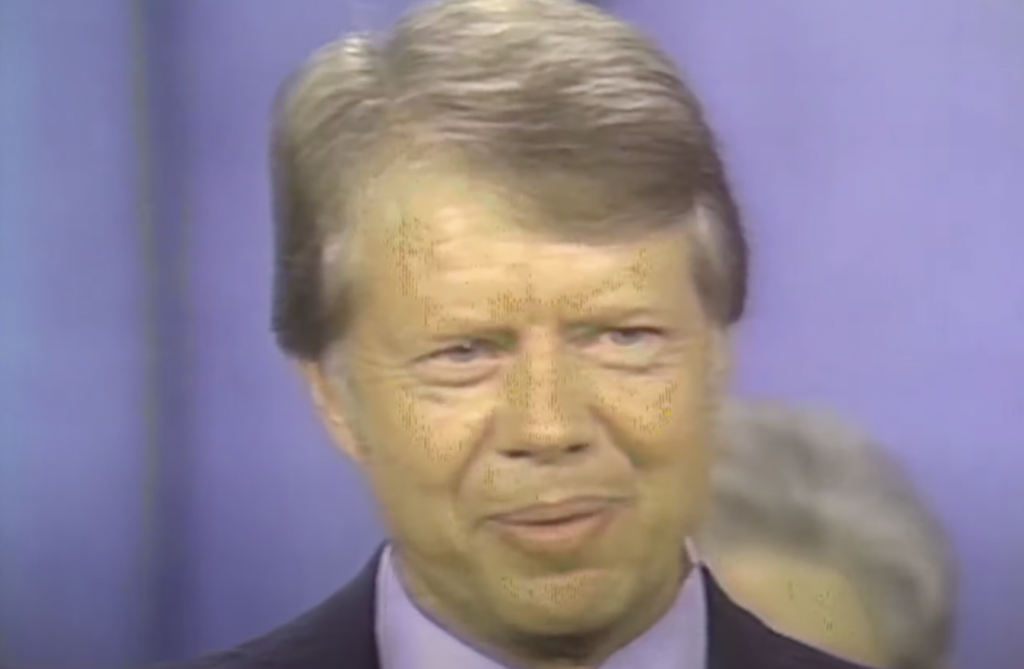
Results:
[567, 106]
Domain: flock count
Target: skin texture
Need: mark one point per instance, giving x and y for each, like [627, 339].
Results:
[488, 368]
[805, 600]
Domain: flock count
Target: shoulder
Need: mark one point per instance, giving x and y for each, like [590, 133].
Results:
[338, 633]
[739, 640]
[792, 654]
[296, 645]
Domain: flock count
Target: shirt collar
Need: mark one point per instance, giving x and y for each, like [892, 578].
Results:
[409, 639]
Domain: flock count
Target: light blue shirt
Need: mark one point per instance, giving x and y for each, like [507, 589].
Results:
[408, 639]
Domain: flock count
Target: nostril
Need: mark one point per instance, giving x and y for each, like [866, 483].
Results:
[520, 453]
[544, 452]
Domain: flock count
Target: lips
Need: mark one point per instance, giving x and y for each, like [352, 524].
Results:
[560, 512]
[563, 528]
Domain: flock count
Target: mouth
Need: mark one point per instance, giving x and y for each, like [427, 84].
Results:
[563, 527]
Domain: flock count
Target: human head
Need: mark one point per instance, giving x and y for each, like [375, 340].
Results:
[506, 259]
[807, 507]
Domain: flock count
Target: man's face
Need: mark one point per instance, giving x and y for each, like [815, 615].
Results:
[490, 370]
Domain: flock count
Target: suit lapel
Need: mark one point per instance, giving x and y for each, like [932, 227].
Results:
[341, 632]
[734, 641]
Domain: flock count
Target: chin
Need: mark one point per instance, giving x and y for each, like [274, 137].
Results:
[578, 602]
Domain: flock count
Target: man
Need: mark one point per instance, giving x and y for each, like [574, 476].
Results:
[822, 535]
[507, 262]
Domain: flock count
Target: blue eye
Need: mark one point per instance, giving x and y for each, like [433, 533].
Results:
[463, 353]
[628, 337]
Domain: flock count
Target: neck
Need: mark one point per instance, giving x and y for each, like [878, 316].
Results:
[464, 615]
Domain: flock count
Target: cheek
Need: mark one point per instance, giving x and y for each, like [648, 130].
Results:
[663, 418]
[420, 452]
[428, 441]
[664, 424]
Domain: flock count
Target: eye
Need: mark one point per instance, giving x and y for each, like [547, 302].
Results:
[630, 337]
[463, 353]
[464, 363]
[627, 348]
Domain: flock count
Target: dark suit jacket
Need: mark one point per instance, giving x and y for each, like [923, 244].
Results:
[339, 634]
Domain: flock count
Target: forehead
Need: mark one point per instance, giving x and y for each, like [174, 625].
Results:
[447, 227]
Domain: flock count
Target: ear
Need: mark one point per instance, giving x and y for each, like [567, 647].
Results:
[333, 406]
[720, 368]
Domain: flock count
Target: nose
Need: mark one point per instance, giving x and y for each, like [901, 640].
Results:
[548, 405]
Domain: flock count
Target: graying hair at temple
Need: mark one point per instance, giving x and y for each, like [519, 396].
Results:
[809, 484]
[570, 109]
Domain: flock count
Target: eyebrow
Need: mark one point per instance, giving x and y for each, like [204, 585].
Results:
[622, 313]
[480, 323]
